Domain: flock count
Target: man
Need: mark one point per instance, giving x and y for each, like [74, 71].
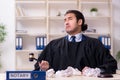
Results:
[84, 52]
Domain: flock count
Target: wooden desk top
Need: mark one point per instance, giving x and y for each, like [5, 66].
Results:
[115, 77]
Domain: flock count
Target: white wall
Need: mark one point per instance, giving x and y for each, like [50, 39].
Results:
[116, 26]
[7, 17]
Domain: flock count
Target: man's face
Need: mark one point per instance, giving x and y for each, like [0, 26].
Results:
[72, 27]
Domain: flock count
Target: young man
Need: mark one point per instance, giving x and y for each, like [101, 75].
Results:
[82, 52]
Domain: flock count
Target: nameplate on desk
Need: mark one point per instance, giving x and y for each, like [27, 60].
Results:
[25, 75]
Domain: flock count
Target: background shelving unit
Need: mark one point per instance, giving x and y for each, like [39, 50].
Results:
[46, 18]
[102, 22]
[31, 19]
[56, 10]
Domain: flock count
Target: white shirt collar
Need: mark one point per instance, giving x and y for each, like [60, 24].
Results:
[77, 39]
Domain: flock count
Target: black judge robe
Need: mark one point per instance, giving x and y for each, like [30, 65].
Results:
[61, 53]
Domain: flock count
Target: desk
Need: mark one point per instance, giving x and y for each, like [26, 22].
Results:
[115, 77]
[2, 76]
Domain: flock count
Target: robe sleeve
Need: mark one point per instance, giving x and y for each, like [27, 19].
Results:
[44, 55]
[106, 61]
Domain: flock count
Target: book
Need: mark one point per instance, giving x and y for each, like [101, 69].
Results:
[19, 11]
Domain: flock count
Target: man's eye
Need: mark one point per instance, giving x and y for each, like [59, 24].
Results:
[70, 18]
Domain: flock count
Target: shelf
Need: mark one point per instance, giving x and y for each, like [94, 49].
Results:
[46, 18]
[25, 68]
[22, 59]
[28, 66]
[28, 51]
[33, 8]
[58, 34]
[55, 36]
[30, 2]
[61, 6]
[31, 34]
[25, 18]
[62, 2]
[97, 34]
[98, 17]
[95, 1]
[56, 18]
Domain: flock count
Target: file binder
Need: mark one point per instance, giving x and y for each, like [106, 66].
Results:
[40, 42]
[19, 44]
[106, 41]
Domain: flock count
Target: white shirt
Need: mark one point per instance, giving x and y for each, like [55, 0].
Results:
[77, 39]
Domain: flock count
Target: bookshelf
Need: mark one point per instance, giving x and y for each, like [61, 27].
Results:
[44, 18]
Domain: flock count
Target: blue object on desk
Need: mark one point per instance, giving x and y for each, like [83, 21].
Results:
[25, 75]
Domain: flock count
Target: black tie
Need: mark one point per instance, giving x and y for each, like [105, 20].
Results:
[73, 38]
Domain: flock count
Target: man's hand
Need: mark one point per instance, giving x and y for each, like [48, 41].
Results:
[83, 70]
[44, 65]
[91, 72]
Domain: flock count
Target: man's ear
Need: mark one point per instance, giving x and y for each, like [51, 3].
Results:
[80, 22]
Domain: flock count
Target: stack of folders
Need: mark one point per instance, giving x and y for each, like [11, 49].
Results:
[106, 40]
[19, 45]
[41, 42]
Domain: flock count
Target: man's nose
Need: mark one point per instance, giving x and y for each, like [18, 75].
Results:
[66, 22]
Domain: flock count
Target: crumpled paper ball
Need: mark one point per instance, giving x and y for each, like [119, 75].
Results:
[64, 73]
[91, 72]
[76, 72]
[70, 71]
[50, 73]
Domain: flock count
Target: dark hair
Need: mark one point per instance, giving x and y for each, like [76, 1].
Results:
[79, 15]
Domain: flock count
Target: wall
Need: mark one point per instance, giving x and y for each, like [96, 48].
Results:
[7, 16]
[116, 25]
